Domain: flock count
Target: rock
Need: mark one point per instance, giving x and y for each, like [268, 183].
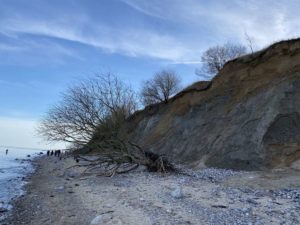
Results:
[28, 156]
[97, 220]
[108, 206]
[169, 210]
[59, 188]
[141, 168]
[177, 193]
[72, 174]
[3, 210]
[246, 118]
[220, 206]
[101, 219]
[251, 201]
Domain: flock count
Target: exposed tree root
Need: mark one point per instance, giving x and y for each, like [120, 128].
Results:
[117, 156]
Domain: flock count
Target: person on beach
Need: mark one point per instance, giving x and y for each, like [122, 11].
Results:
[6, 152]
[48, 152]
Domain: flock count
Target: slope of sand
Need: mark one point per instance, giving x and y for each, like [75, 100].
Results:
[56, 196]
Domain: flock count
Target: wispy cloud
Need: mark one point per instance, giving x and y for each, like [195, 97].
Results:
[131, 42]
[185, 30]
[191, 62]
[10, 48]
[171, 10]
[32, 49]
[228, 19]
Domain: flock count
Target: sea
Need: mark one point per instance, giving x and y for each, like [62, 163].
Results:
[15, 164]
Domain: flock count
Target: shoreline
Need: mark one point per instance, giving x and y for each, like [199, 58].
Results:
[19, 172]
[24, 179]
[54, 196]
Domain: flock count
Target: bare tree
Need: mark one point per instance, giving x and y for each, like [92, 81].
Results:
[159, 89]
[250, 42]
[214, 58]
[87, 106]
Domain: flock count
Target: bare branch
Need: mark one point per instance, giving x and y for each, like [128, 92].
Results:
[250, 42]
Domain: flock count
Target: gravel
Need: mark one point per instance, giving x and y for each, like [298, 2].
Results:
[190, 197]
[210, 174]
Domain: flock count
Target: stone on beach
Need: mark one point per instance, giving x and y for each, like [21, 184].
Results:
[60, 189]
[72, 174]
[3, 210]
[177, 193]
[101, 219]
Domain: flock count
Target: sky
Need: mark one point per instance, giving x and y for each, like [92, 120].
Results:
[48, 45]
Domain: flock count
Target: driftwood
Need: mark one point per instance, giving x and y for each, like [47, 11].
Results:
[117, 156]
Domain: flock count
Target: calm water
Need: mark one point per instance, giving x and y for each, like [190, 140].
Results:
[13, 167]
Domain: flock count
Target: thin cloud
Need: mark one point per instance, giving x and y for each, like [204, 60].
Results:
[171, 10]
[228, 19]
[199, 25]
[195, 62]
[130, 42]
[10, 48]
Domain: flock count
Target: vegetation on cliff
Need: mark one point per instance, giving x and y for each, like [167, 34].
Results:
[215, 123]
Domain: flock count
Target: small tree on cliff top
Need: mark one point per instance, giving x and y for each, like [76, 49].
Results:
[214, 58]
[159, 89]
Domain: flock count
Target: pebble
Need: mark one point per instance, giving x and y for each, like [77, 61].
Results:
[60, 189]
[251, 201]
[210, 174]
[101, 219]
[247, 206]
[177, 193]
[72, 174]
[3, 210]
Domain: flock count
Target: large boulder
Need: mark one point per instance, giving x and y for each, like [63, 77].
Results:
[247, 117]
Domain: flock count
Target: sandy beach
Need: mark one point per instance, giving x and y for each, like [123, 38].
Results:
[56, 196]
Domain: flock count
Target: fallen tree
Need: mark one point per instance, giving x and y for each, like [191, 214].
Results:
[116, 156]
[90, 116]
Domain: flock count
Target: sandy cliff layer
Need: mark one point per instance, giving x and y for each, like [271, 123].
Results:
[248, 117]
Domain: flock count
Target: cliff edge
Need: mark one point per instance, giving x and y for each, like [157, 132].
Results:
[247, 117]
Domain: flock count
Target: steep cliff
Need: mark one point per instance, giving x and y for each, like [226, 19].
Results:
[247, 117]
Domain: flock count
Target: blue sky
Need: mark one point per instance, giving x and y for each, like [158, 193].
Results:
[46, 45]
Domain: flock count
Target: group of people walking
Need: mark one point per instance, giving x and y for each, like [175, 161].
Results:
[55, 153]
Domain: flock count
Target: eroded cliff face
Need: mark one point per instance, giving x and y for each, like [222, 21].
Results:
[248, 117]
